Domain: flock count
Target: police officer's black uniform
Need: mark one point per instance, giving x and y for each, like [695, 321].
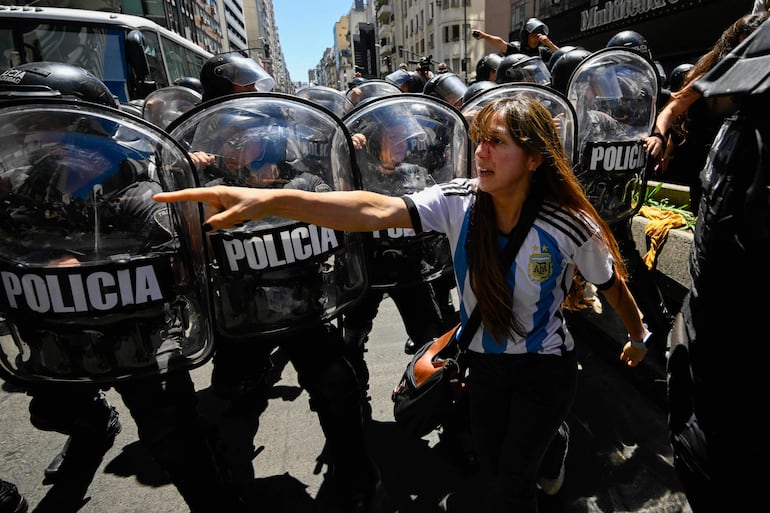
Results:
[97, 292]
[277, 283]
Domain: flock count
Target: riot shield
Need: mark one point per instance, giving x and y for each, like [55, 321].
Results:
[557, 104]
[274, 275]
[412, 141]
[162, 106]
[614, 93]
[98, 282]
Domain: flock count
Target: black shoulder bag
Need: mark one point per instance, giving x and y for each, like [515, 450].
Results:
[433, 380]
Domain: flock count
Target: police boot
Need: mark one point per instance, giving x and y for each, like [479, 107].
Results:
[85, 450]
[11, 501]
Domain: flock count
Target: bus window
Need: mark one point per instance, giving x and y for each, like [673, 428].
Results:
[81, 46]
[175, 59]
[9, 56]
[155, 58]
[194, 63]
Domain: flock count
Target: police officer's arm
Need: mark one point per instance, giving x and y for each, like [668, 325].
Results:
[352, 211]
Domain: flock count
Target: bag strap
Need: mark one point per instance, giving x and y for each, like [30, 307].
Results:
[526, 220]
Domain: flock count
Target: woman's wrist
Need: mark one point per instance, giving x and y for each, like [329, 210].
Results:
[643, 341]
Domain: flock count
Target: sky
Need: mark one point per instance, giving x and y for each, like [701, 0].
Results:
[306, 29]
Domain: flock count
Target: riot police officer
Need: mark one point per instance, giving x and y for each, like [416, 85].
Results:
[286, 302]
[79, 207]
[713, 358]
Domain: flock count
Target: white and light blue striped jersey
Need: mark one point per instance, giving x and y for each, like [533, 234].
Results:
[541, 274]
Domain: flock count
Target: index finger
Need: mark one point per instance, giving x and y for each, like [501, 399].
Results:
[200, 194]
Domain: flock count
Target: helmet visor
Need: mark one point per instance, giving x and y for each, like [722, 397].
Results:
[246, 72]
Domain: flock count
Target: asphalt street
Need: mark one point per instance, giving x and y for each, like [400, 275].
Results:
[619, 458]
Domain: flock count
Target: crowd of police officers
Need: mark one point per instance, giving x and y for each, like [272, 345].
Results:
[104, 288]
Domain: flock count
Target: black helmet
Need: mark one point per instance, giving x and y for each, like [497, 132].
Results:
[54, 79]
[476, 89]
[678, 76]
[533, 26]
[406, 81]
[564, 66]
[487, 64]
[632, 40]
[221, 72]
[558, 53]
[355, 82]
[328, 97]
[519, 67]
[190, 83]
[447, 86]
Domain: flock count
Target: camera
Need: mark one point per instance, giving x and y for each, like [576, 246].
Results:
[476, 34]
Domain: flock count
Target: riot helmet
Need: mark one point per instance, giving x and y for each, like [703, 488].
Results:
[163, 106]
[327, 97]
[679, 76]
[632, 40]
[193, 83]
[519, 67]
[221, 73]
[55, 80]
[564, 67]
[355, 82]
[476, 89]
[534, 26]
[447, 86]
[558, 53]
[255, 153]
[486, 66]
[371, 89]
[531, 26]
[397, 136]
[406, 81]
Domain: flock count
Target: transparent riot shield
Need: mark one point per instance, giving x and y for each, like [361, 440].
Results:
[614, 93]
[405, 143]
[98, 282]
[274, 275]
[557, 104]
[162, 106]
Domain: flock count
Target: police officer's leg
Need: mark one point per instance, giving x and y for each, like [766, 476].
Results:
[356, 325]
[420, 313]
[168, 423]
[442, 289]
[322, 370]
[240, 373]
[83, 413]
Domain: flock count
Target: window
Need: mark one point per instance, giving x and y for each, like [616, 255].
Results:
[518, 14]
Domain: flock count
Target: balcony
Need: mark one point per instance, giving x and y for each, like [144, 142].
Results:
[385, 13]
[385, 31]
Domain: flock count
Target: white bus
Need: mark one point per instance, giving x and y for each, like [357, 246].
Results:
[131, 54]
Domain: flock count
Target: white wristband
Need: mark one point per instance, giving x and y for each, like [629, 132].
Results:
[643, 343]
